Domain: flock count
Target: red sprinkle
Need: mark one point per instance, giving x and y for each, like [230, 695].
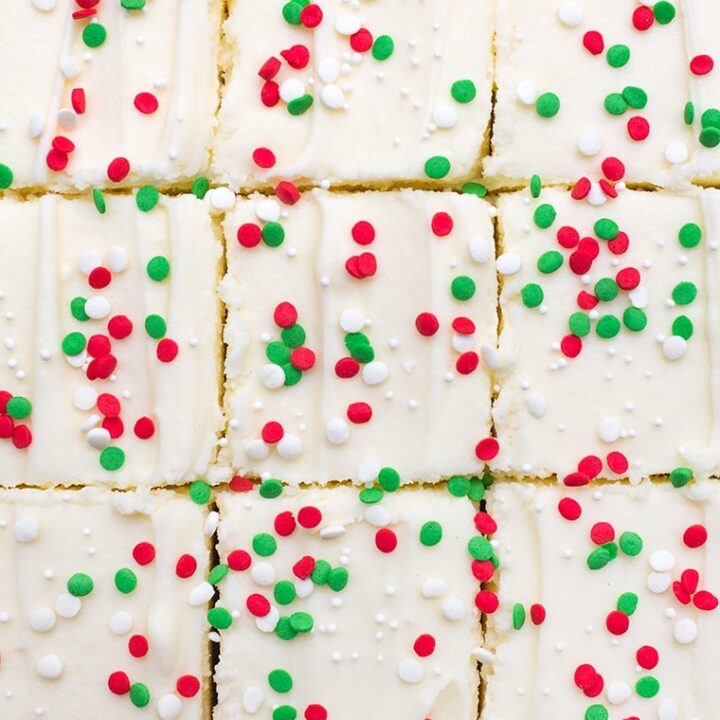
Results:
[704, 600]
[580, 262]
[285, 524]
[186, 566]
[487, 601]
[593, 42]
[99, 278]
[570, 346]
[617, 462]
[701, 65]
[285, 315]
[586, 300]
[146, 103]
[257, 605]
[119, 327]
[249, 235]
[241, 484]
[638, 128]
[482, 570]
[167, 350]
[239, 560]
[463, 326]
[187, 686]
[568, 237]
[647, 657]
[119, 683]
[537, 614]
[315, 712]
[304, 567]
[608, 188]
[108, 405]
[118, 169]
[612, 168]
[138, 646]
[77, 100]
[270, 68]
[487, 449]
[347, 367]
[143, 553]
[642, 18]
[427, 324]
[270, 94]
[302, 358]
[144, 428]
[576, 479]
[359, 412]
[581, 189]
[263, 157]
[363, 233]
[617, 622]
[309, 517]
[602, 532]
[485, 524]
[620, 244]
[628, 278]
[272, 432]
[467, 362]
[21, 437]
[590, 465]
[287, 193]
[361, 41]
[695, 536]
[385, 540]
[311, 16]
[569, 509]
[441, 224]
[424, 646]
[297, 57]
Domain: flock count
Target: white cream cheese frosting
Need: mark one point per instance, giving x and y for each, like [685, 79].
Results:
[393, 84]
[110, 327]
[382, 633]
[132, 84]
[91, 598]
[616, 363]
[355, 343]
[577, 81]
[632, 637]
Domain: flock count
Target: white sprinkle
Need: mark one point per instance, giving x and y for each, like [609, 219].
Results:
[453, 608]
[85, 397]
[121, 623]
[668, 710]
[201, 594]
[445, 116]
[347, 24]
[674, 347]
[263, 573]
[50, 667]
[658, 582]
[368, 470]
[433, 588]
[256, 450]
[272, 376]
[42, 620]
[44, 5]
[536, 404]
[662, 561]
[221, 198]
[375, 372]
[291, 89]
[253, 699]
[269, 622]
[88, 260]
[67, 606]
[639, 296]
[97, 307]
[332, 532]
[609, 429]
[570, 14]
[480, 248]
[98, 438]
[508, 263]
[589, 143]
[337, 431]
[685, 631]
[328, 70]
[117, 258]
[378, 515]
[352, 320]
[527, 92]
[36, 126]
[676, 152]
[618, 692]
[410, 670]
[268, 210]
[332, 97]
[69, 67]
[289, 447]
[25, 530]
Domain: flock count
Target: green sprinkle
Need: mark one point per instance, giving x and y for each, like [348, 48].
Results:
[112, 458]
[437, 167]
[630, 543]
[547, 105]
[125, 580]
[133, 4]
[647, 687]
[218, 574]
[710, 137]
[18, 407]
[280, 681]
[219, 618]
[535, 186]
[158, 268]
[532, 295]
[477, 490]
[270, 488]
[147, 198]
[389, 479]
[664, 12]
[608, 326]
[73, 343]
[596, 712]
[480, 548]
[459, 485]
[383, 47]
[598, 558]
[627, 603]
[99, 200]
[544, 215]
[291, 12]
[431, 533]
[273, 234]
[634, 319]
[200, 187]
[321, 572]
[77, 309]
[462, 287]
[284, 592]
[80, 585]
[139, 695]
[690, 235]
[292, 375]
[710, 118]
[371, 495]
[6, 177]
[615, 104]
[684, 293]
[549, 262]
[294, 336]
[635, 97]
[200, 492]
[689, 112]
[463, 91]
[278, 353]
[284, 712]
[300, 105]
[518, 616]
[606, 229]
[94, 35]
[283, 629]
[264, 544]
[606, 289]
[683, 326]
[337, 579]
[155, 326]
[301, 622]
[680, 477]
[579, 324]
[618, 55]
[474, 188]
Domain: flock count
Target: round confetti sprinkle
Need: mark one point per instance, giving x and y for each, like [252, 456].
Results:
[139, 695]
[690, 235]
[147, 198]
[437, 167]
[200, 492]
[219, 618]
[462, 287]
[431, 533]
[112, 458]
[544, 215]
[80, 585]
[549, 262]
[532, 295]
[383, 47]
[618, 55]
[280, 681]
[125, 580]
[463, 91]
[547, 105]
[94, 35]
[6, 177]
[158, 268]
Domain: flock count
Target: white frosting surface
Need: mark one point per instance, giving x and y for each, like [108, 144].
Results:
[620, 394]
[48, 245]
[538, 52]
[361, 645]
[371, 120]
[168, 49]
[543, 559]
[45, 630]
[426, 416]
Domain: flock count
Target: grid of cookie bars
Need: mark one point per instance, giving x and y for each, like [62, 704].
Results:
[358, 359]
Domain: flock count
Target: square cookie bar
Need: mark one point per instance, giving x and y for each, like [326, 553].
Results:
[95, 617]
[354, 93]
[355, 325]
[578, 81]
[107, 93]
[610, 331]
[110, 321]
[607, 602]
[340, 608]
